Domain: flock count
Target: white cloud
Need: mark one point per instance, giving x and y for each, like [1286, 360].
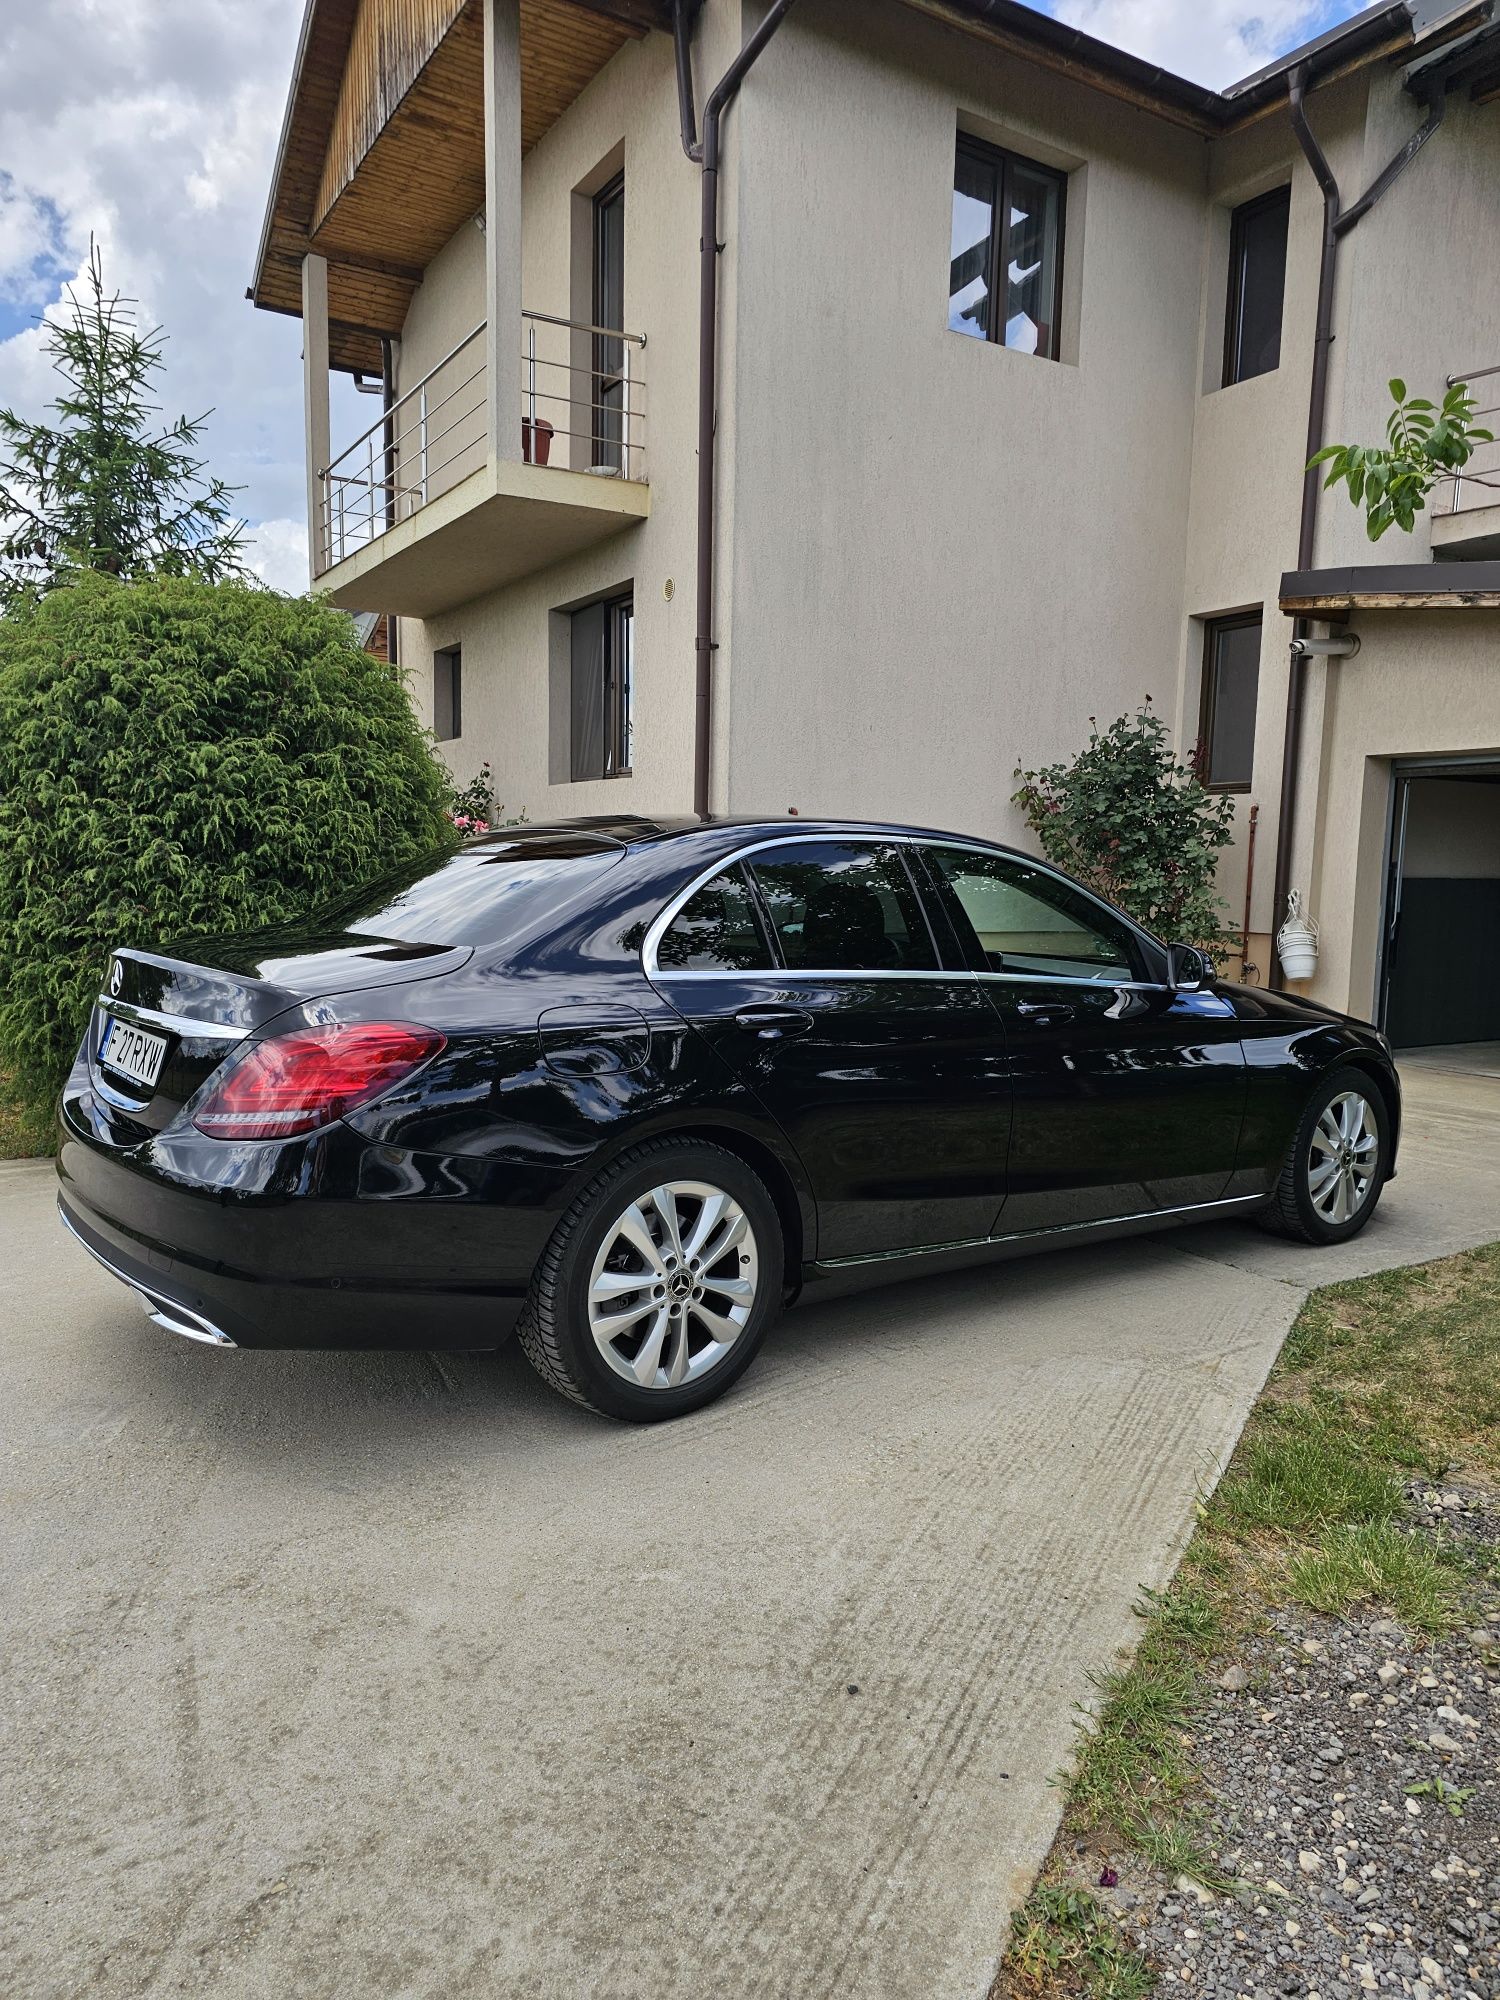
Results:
[1211, 41]
[277, 552]
[153, 125]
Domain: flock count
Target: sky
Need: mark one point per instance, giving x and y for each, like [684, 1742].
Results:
[152, 126]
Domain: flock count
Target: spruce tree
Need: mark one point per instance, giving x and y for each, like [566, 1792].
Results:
[108, 487]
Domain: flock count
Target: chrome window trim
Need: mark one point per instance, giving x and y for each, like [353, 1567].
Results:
[1078, 888]
[662, 923]
[868, 975]
[664, 919]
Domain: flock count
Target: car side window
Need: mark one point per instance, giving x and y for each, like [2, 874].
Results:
[844, 906]
[716, 930]
[1020, 919]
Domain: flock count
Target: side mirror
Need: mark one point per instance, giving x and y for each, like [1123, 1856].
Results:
[1188, 969]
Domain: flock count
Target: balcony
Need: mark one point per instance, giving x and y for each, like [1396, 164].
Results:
[1466, 505]
[418, 514]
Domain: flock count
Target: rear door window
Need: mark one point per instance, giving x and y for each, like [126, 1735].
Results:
[716, 930]
[1016, 918]
[843, 906]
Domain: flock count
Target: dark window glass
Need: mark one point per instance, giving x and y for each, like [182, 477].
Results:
[1231, 673]
[1019, 919]
[1257, 281]
[976, 196]
[603, 689]
[1005, 247]
[716, 929]
[488, 893]
[447, 694]
[609, 313]
[842, 906]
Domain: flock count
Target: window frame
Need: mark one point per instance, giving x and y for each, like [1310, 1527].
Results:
[932, 891]
[451, 657]
[1213, 630]
[617, 696]
[915, 882]
[608, 355]
[1234, 301]
[1141, 948]
[1000, 161]
[765, 930]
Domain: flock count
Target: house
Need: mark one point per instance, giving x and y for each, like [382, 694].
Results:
[987, 414]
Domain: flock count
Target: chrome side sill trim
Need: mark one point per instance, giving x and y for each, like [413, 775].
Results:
[163, 1311]
[1204, 1208]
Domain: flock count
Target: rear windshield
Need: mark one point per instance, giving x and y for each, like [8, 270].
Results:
[490, 892]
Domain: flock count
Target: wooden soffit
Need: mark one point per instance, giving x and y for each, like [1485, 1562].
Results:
[382, 153]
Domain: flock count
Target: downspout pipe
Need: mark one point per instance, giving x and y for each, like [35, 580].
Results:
[705, 153]
[1337, 222]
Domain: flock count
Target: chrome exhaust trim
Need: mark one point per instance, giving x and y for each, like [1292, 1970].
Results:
[162, 1311]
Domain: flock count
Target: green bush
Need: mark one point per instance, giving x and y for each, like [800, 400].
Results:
[178, 756]
[1139, 828]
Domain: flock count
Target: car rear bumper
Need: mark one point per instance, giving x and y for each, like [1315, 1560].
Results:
[317, 1267]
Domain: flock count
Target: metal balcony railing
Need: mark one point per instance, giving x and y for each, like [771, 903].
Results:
[1478, 484]
[582, 409]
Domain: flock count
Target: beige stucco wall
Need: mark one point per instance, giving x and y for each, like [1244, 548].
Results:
[511, 638]
[946, 556]
[1412, 299]
[1424, 684]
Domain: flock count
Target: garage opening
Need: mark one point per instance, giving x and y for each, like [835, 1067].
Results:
[1441, 984]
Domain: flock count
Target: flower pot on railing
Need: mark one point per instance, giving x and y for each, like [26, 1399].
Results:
[536, 440]
[1297, 941]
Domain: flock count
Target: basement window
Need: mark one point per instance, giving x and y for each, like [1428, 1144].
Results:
[1231, 677]
[448, 694]
[603, 688]
[1257, 285]
[1005, 250]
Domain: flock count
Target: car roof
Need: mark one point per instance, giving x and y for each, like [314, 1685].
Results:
[633, 830]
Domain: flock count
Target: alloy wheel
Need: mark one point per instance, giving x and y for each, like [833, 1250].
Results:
[1343, 1157]
[673, 1285]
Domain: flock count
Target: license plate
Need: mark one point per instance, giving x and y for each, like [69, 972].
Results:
[133, 1052]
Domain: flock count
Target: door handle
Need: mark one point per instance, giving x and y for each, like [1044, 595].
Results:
[769, 1024]
[1044, 1013]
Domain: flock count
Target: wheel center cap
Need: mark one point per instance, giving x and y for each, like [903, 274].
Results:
[680, 1284]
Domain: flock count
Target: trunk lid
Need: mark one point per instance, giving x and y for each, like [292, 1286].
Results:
[180, 1017]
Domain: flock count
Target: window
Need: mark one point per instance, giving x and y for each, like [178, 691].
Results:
[448, 694]
[603, 688]
[1005, 271]
[1226, 726]
[1016, 918]
[609, 312]
[842, 906]
[716, 930]
[1257, 280]
[493, 890]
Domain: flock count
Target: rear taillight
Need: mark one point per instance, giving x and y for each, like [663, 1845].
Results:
[298, 1082]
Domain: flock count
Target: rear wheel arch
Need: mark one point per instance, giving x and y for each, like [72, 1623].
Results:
[793, 1204]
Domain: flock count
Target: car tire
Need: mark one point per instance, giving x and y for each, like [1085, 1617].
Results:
[690, 1326]
[1331, 1179]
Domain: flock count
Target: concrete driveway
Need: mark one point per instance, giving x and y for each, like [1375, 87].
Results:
[397, 1676]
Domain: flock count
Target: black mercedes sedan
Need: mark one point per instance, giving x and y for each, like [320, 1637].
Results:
[630, 1087]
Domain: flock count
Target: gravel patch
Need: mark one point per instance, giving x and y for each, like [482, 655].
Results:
[1354, 1775]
